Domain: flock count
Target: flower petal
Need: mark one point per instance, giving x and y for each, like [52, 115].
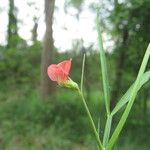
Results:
[55, 73]
[65, 66]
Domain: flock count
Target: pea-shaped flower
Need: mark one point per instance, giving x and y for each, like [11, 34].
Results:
[60, 74]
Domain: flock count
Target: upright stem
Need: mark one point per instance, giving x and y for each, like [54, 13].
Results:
[91, 121]
[82, 74]
[107, 130]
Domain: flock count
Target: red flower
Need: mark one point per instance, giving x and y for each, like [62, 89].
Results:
[59, 72]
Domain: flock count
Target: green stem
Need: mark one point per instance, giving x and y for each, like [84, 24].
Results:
[107, 130]
[91, 121]
[82, 74]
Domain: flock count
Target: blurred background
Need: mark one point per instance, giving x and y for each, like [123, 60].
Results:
[35, 113]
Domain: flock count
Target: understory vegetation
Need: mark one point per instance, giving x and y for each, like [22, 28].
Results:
[59, 122]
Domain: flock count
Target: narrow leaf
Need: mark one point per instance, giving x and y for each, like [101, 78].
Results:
[103, 68]
[131, 101]
[107, 130]
[125, 98]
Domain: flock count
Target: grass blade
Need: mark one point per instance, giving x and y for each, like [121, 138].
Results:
[103, 68]
[107, 130]
[125, 98]
[131, 101]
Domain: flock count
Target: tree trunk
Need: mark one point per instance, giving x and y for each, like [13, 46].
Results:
[47, 86]
[34, 30]
[120, 67]
[12, 25]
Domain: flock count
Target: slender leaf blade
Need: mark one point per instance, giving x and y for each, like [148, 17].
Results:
[103, 67]
[107, 130]
[125, 98]
[131, 101]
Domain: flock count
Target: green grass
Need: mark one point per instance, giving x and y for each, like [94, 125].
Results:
[59, 123]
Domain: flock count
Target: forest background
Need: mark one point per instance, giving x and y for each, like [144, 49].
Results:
[34, 112]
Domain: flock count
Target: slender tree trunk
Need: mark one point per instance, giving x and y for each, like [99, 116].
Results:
[47, 86]
[34, 30]
[12, 25]
[120, 67]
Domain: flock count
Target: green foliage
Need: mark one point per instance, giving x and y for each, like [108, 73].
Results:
[28, 122]
[126, 96]
[16, 65]
[33, 123]
[132, 97]
[109, 144]
[74, 3]
[39, 120]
